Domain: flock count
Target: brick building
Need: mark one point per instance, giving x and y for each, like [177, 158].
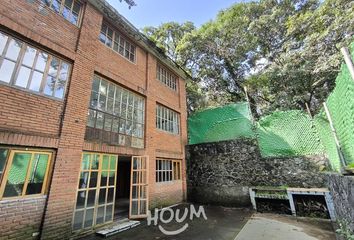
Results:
[92, 120]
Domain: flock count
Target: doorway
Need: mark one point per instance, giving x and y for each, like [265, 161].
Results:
[123, 188]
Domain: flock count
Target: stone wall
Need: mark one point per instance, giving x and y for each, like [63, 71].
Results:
[342, 191]
[222, 172]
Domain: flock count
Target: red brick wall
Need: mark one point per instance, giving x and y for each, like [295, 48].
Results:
[21, 218]
[43, 125]
[23, 112]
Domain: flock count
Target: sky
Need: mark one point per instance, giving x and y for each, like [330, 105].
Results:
[156, 12]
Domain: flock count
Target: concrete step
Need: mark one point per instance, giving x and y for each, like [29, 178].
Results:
[118, 227]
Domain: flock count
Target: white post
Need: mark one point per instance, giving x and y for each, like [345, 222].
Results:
[341, 157]
[348, 61]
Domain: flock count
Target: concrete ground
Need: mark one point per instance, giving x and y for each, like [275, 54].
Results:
[280, 227]
[232, 224]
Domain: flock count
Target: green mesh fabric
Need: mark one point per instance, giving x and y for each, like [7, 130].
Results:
[223, 123]
[341, 107]
[289, 133]
[327, 139]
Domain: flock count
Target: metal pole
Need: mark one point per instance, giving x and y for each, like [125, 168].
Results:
[348, 60]
[341, 157]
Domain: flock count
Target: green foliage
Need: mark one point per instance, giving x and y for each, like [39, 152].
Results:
[285, 52]
[344, 230]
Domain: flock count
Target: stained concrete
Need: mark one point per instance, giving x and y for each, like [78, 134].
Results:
[233, 224]
[279, 227]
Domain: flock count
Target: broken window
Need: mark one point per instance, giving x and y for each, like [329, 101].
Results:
[116, 115]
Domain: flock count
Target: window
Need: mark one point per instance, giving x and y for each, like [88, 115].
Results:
[168, 170]
[117, 42]
[24, 66]
[116, 115]
[96, 190]
[166, 77]
[23, 173]
[167, 119]
[69, 9]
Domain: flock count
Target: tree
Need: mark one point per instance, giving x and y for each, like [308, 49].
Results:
[286, 52]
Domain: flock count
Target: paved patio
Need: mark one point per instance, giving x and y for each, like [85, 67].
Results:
[232, 224]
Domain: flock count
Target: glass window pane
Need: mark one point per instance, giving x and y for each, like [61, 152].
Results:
[104, 177]
[3, 40]
[60, 87]
[99, 120]
[53, 67]
[50, 85]
[102, 196]
[95, 162]
[3, 157]
[113, 162]
[6, 70]
[78, 220]
[64, 71]
[56, 5]
[17, 174]
[111, 179]
[110, 195]
[94, 100]
[36, 81]
[95, 84]
[93, 179]
[88, 218]
[37, 174]
[74, 18]
[81, 198]
[91, 118]
[100, 215]
[41, 61]
[29, 56]
[83, 183]
[91, 197]
[86, 162]
[109, 213]
[105, 162]
[23, 76]
[13, 49]
[77, 7]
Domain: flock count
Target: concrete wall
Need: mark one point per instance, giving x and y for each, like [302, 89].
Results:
[221, 173]
[342, 191]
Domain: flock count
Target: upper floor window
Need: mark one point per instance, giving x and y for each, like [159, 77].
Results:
[29, 68]
[117, 42]
[23, 173]
[166, 77]
[69, 9]
[116, 115]
[167, 119]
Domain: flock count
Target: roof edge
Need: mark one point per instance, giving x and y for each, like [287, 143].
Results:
[123, 24]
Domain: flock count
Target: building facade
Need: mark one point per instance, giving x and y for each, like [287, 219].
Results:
[92, 120]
